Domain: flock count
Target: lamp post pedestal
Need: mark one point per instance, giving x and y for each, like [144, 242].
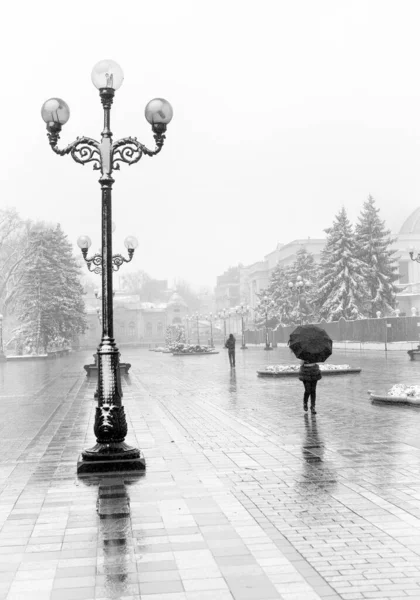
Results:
[111, 452]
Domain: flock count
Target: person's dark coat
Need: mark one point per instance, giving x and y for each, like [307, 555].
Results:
[230, 343]
[309, 372]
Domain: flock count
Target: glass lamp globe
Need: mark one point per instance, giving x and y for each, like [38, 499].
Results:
[107, 74]
[1, 317]
[158, 110]
[55, 110]
[84, 242]
[290, 284]
[131, 242]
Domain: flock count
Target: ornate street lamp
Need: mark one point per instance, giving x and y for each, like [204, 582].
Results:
[224, 315]
[298, 287]
[243, 311]
[2, 355]
[110, 452]
[264, 307]
[187, 321]
[209, 318]
[197, 316]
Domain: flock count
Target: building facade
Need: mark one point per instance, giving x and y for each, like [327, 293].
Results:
[135, 322]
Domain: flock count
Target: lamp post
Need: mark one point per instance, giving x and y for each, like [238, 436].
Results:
[197, 316]
[224, 315]
[187, 321]
[264, 306]
[110, 452]
[243, 311]
[298, 287]
[2, 355]
[209, 318]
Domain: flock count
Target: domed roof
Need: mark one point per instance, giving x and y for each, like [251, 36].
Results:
[176, 299]
[412, 223]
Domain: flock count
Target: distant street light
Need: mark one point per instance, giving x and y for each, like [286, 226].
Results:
[110, 452]
[209, 318]
[299, 287]
[188, 319]
[224, 315]
[243, 311]
[264, 307]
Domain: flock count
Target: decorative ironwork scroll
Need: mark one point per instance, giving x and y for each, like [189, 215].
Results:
[130, 150]
[83, 150]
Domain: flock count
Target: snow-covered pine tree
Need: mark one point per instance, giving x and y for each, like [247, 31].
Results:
[278, 292]
[287, 308]
[49, 296]
[70, 316]
[342, 289]
[305, 267]
[373, 247]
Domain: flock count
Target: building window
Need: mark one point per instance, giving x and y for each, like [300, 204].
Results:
[121, 327]
[160, 328]
[403, 271]
[131, 329]
[176, 320]
[176, 310]
[149, 329]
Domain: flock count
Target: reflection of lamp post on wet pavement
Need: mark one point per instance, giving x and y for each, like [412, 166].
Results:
[243, 311]
[298, 287]
[264, 307]
[110, 452]
[2, 355]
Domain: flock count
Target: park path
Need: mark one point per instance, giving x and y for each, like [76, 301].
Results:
[244, 496]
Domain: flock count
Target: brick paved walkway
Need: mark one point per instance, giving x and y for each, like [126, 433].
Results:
[245, 497]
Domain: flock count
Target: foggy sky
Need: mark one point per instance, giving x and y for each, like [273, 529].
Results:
[283, 112]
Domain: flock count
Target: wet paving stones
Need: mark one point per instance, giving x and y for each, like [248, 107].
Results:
[244, 497]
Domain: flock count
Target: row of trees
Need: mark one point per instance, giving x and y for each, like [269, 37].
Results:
[355, 278]
[40, 289]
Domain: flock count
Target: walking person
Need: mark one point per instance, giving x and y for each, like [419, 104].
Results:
[309, 374]
[230, 345]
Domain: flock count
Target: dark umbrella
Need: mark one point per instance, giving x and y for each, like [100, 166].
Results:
[310, 343]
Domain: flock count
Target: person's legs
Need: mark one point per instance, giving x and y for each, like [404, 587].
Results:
[230, 357]
[313, 396]
[306, 394]
[233, 358]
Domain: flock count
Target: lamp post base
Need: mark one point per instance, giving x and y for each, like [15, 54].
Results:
[244, 347]
[116, 456]
[268, 348]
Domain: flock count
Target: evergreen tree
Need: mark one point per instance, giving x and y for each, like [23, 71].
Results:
[373, 242]
[305, 267]
[288, 308]
[341, 290]
[49, 301]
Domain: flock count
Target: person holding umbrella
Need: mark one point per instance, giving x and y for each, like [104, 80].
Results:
[309, 374]
[312, 345]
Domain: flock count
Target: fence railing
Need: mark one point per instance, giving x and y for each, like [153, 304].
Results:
[386, 330]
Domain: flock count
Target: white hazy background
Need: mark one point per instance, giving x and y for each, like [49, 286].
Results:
[284, 111]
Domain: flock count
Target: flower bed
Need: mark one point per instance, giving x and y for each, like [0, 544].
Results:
[160, 349]
[284, 370]
[400, 393]
[178, 349]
